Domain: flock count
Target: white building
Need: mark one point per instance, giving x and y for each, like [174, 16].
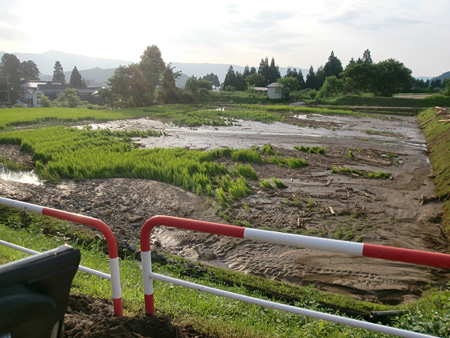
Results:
[275, 91]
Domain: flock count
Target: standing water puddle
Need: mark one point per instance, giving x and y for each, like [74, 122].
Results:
[19, 176]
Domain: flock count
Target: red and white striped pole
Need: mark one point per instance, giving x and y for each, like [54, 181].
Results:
[351, 248]
[89, 221]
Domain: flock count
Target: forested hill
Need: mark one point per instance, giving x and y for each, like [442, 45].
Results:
[446, 75]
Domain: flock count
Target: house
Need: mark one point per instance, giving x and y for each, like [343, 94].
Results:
[29, 93]
[275, 91]
[32, 90]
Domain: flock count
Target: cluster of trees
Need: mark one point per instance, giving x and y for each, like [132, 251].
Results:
[14, 73]
[383, 78]
[266, 74]
[150, 82]
[76, 81]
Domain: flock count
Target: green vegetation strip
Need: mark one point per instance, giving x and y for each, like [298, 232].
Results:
[379, 174]
[208, 314]
[437, 135]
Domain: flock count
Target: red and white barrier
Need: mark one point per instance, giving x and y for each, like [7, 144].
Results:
[89, 221]
[352, 248]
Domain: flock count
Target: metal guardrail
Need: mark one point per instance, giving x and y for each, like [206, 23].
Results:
[351, 248]
[89, 221]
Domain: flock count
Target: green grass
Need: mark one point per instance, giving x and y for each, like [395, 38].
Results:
[437, 135]
[217, 316]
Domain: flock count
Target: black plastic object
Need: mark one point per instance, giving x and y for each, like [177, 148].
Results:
[34, 292]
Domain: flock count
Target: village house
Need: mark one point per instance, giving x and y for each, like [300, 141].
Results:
[275, 91]
[50, 89]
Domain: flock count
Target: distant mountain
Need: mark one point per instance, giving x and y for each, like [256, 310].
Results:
[46, 61]
[97, 71]
[446, 75]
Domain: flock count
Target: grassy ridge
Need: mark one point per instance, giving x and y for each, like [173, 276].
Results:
[371, 100]
[216, 316]
[437, 135]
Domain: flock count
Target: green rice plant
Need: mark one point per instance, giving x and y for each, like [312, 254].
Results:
[377, 175]
[222, 198]
[350, 154]
[239, 189]
[268, 149]
[311, 203]
[291, 162]
[246, 155]
[278, 183]
[245, 171]
[311, 150]
[265, 184]
[14, 166]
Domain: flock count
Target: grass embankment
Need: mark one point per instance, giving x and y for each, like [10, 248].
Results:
[437, 135]
[211, 315]
[380, 101]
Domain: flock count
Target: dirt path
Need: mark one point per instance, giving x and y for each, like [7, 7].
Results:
[377, 211]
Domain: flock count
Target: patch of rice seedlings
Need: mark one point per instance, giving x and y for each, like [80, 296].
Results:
[311, 150]
[268, 149]
[278, 183]
[380, 174]
[246, 155]
[239, 189]
[350, 154]
[222, 198]
[265, 184]
[245, 171]
[291, 162]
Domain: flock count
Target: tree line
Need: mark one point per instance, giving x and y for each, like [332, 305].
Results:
[363, 75]
[14, 73]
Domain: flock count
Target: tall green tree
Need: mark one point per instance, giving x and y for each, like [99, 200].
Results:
[311, 79]
[255, 80]
[331, 87]
[29, 71]
[213, 78]
[447, 86]
[76, 80]
[367, 58]
[333, 66]
[152, 66]
[392, 77]
[360, 77]
[274, 72]
[10, 77]
[230, 80]
[264, 70]
[58, 73]
[167, 91]
[290, 82]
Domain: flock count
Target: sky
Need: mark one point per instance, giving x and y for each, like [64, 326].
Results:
[295, 33]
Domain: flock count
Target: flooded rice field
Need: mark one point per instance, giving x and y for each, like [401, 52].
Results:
[316, 202]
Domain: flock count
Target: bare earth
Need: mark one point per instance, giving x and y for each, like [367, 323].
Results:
[387, 212]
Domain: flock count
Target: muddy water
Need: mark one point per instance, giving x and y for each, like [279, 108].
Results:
[400, 133]
[392, 214]
[19, 176]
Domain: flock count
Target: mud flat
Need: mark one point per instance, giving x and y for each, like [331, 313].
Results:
[380, 211]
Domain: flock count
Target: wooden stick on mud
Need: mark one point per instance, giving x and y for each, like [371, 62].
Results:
[332, 211]
[328, 182]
